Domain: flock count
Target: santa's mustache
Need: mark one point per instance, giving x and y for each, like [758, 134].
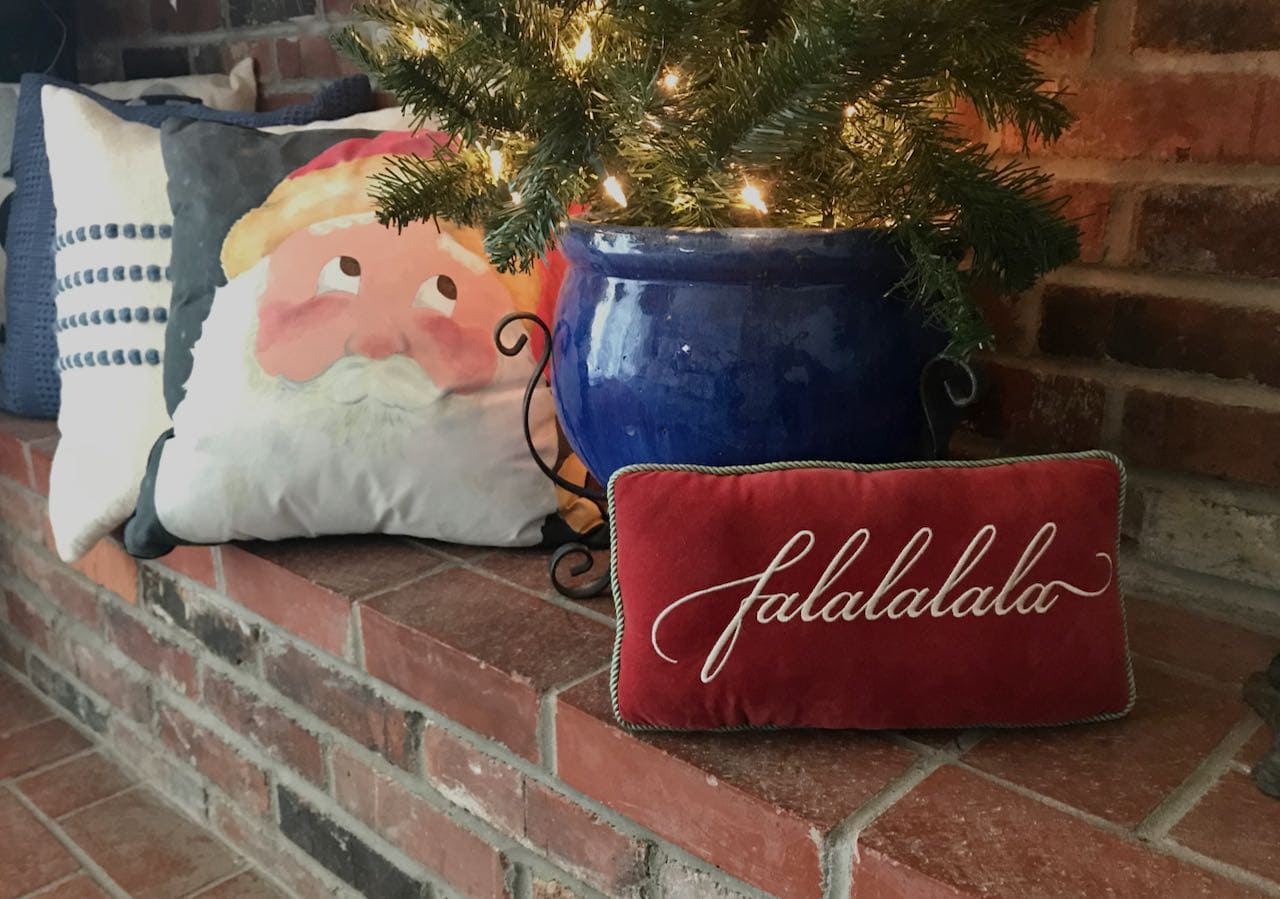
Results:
[397, 382]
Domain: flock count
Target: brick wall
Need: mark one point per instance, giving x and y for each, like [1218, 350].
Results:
[1162, 344]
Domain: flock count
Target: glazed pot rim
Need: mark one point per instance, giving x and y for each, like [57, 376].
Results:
[735, 255]
[584, 225]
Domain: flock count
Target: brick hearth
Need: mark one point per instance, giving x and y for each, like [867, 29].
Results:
[404, 718]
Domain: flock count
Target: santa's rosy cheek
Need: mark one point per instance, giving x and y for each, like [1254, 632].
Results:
[301, 340]
[457, 359]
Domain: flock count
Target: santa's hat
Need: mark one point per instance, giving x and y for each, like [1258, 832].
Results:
[333, 185]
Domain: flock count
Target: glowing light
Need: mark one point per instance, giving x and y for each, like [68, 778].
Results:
[495, 164]
[582, 49]
[515, 197]
[420, 41]
[671, 80]
[752, 196]
[613, 187]
[850, 112]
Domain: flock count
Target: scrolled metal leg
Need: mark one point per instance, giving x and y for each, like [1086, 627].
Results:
[514, 349]
[947, 387]
[1262, 692]
[587, 561]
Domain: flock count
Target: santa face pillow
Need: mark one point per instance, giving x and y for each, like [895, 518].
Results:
[345, 378]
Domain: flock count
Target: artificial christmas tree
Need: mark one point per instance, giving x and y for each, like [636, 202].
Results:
[732, 113]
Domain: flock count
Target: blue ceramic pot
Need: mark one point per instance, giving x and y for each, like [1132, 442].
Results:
[736, 347]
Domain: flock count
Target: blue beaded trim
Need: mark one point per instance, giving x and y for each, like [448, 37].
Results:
[111, 232]
[106, 358]
[136, 273]
[125, 314]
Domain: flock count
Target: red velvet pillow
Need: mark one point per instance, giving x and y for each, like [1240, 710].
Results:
[893, 596]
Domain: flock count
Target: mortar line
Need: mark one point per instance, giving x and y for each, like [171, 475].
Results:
[1164, 846]
[213, 884]
[95, 871]
[48, 887]
[1199, 782]
[1176, 850]
[842, 842]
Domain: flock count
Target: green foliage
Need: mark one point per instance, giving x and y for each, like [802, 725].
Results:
[838, 111]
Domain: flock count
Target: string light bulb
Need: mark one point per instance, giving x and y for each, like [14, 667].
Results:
[752, 196]
[850, 111]
[420, 41]
[582, 49]
[671, 80]
[495, 164]
[613, 187]
[516, 198]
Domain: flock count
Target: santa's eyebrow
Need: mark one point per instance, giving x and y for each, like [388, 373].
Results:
[462, 255]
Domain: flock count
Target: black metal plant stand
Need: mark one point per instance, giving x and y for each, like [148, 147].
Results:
[1262, 691]
[948, 386]
[577, 550]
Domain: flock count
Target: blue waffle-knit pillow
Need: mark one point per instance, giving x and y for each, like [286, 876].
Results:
[29, 383]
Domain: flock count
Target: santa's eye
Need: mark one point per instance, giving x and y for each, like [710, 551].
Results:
[341, 274]
[439, 292]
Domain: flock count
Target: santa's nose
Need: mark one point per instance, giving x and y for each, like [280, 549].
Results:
[376, 345]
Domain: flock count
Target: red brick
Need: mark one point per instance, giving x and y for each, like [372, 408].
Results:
[30, 856]
[190, 15]
[1201, 437]
[958, 834]
[15, 436]
[22, 707]
[1207, 26]
[1167, 117]
[123, 689]
[282, 737]
[152, 764]
[1073, 43]
[754, 804]
[682, 882]
[27, 621]
[299, 606]
[10, 652]
[22, 510]
[1027, 409]
[75, 783]
[78, 887]
[1119, 770]
[249, 885]
[1088, 205]
[263, 845]
[1266, 141]
[268, 101]
[108, 565]
[56, 582]
[38, 744]
[159, 656]
[423, 832]
[214, 758]
[147, 848]
[1222, 651]
[1236, 823]
[196, 562]
[41, 452]
[1209, 230]
[346, 704]
[578, 841]
[1162, 332]
[475, 781]
[311, 56]
[528, 568]
[479, 652]
[261, 51]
